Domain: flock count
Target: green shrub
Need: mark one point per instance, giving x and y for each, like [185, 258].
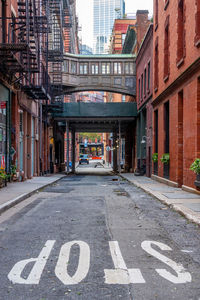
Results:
[195, 166]
[165, 158]
[155, 157]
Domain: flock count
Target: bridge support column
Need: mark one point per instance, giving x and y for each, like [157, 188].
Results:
[73, 150]
[67, 133]
[115, 151]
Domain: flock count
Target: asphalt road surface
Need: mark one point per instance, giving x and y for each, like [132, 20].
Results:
[95, 236]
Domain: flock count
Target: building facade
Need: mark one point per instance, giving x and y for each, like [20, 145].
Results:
[104, 14]
[144, 71]
[24, 86]
[30, 80]
[176, 95]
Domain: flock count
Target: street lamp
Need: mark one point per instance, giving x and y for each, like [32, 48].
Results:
[144, 139]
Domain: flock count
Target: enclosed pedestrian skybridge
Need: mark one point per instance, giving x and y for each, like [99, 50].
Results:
[112, 73]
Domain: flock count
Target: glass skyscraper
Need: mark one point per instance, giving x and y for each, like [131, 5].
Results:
[104, 14]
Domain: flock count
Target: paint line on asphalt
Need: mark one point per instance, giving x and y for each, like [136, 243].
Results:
[121, 275]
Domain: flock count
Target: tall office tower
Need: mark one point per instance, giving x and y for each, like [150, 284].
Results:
[105, 12]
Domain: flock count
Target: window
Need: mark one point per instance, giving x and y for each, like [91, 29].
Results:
[156, 14]
[83, 67]
[105, 68]
[181, 34]
[73, 67]
[149, 76]
[156, 70]
[145, 82]
[126, 68]
[197, 29]
[95, 68]
[65, 66]
[123, 98]
[166, 3]
[142, 86]
[139, 90]
[117, 68]
[166, 50]
[129, 68]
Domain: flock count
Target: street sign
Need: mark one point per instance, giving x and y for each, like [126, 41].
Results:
[108, 148]
[85, 143]
[2, 105]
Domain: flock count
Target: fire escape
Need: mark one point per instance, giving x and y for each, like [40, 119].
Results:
[23, 49]
[59, 20]
[32, 47]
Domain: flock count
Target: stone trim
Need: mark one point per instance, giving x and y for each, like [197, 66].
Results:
[164, 180]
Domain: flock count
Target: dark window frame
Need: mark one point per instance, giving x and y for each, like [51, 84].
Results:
[149, 76]
[197, 24]
[166, 50]
[181, 47]
[156, 14]
[156, 66]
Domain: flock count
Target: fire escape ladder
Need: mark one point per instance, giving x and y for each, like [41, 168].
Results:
[56, 49]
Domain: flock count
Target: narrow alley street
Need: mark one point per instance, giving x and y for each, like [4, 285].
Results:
[96, 236]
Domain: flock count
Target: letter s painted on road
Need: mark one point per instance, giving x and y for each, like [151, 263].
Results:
[182, 275]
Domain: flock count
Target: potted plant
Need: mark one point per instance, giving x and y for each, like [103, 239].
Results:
[165, 158]
[155, 163]
[13, 172]
[155, 157]
[195, 167]
[3, 178]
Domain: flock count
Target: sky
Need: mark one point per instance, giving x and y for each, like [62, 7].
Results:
[85, 15]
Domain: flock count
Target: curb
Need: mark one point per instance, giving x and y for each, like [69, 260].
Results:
[22, 197]
[182, 210]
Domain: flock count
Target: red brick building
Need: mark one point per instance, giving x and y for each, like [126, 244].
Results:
[144, 71]
[21, 86]
[176, 97]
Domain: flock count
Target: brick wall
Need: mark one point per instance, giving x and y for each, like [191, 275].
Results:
[181, 88]
[192, 52]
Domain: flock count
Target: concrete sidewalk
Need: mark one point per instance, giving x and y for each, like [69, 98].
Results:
[186, 203]
[18, 191]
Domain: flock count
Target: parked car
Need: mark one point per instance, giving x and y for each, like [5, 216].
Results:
[84, 158]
